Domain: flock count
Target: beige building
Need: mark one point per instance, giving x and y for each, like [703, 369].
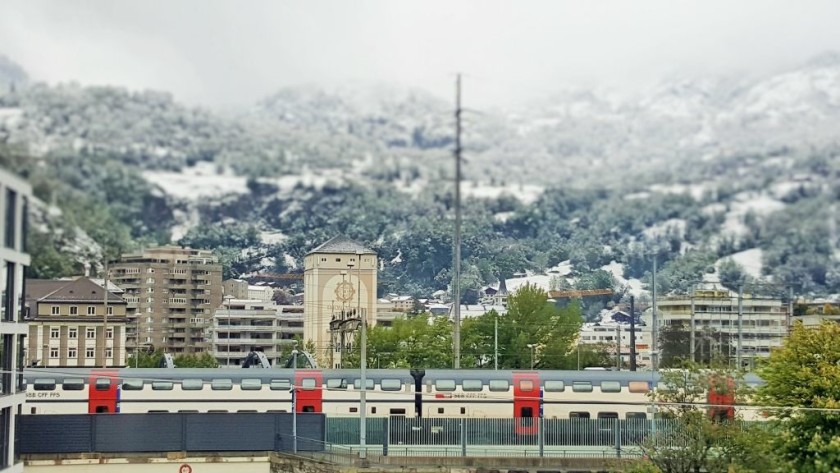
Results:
[715, 312]
[171, 294]
[339, 285]
[15, 199]
[68, 324]
[239, 289]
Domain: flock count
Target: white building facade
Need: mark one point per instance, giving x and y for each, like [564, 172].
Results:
[15, 198]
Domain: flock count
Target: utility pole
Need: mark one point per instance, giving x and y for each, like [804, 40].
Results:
[618, 347]
[363, 364]
[693, 326]
[653, 335]
[456, 276]
[632, 333]
[740, 323]
[496, 342]
[789, 320]
[105, 318]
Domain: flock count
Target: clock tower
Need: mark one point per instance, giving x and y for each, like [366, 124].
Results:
[339, 285]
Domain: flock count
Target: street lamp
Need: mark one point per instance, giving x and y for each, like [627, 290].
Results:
[294, 397]
[532, 346]
[227, 299]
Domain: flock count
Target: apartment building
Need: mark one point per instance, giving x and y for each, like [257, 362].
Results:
[613, 333]
[715, 310]
[70, 324]
[15, 198]
[171, 293]
[240, 326]
[240, 289]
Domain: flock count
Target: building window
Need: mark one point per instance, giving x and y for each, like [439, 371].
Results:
[110, 310]
[11, 218]
[109, 352]
[90, 333]
[90, 352]
[150, 280]
[53, 352]
[72, 353]
[109, 333]
[73, 333]
[150, 290]
[74, 310]
[91, 310]
[55, 310]
[54, 333]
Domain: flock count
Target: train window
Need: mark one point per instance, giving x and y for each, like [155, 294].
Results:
[217, 411]
[636, 416]
[162, 385]
[307, 384]
[373, 410]
[247, 410]
[186, 411]
[354, 409]
[276, 410]
[582, 387]
[554, 386]
[73, 384]
[357, 384]
[463, 410]
[192, 385]
[445, 384]
[221, 384]
[156, 411]
[499, 385]
[44, 384]
[526, 385]
[638, 386]
[103, 384]
[250, 384]
[608, 415]
[280, 385]
[397, 412]
[440, 410]
[391, 384]
[308, 409]
[472, 385]
[131, 385]
[337, 383]
[578, 415]
[610, 387]
[101, 409]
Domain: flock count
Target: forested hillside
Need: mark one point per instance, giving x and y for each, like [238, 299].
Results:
[692, 171]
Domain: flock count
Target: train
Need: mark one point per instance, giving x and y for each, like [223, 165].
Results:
[389, 392]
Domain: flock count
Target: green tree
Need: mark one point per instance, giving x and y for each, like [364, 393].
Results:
[803, 380]
[421, 341]
[699, 441]
[530, 320]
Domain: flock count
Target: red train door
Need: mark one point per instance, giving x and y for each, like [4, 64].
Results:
[103, 392]
[526, 402]
[309, 391]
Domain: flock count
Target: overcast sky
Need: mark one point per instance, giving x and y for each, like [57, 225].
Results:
[234, 52]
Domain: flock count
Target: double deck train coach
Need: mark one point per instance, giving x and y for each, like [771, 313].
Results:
[391, 392]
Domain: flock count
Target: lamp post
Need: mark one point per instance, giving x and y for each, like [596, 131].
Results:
[532, 346]
[294, 397]
[227, 299]
[363, 364]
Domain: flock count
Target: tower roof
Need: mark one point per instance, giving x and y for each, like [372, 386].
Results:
[342, 245]
[503, 291]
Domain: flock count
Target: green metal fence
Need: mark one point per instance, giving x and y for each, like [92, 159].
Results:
[500, 437]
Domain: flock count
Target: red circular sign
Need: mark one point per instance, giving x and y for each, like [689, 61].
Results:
[185, 468]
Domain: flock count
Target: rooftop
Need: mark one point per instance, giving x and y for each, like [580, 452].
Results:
[342, 245]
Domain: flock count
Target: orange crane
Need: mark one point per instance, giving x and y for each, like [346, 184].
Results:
[579, 293]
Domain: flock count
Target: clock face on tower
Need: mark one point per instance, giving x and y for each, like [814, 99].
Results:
[344, 292]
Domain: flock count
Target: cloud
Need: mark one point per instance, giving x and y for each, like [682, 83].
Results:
[226, 52]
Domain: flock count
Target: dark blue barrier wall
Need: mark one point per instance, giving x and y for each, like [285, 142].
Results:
[160, 432]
